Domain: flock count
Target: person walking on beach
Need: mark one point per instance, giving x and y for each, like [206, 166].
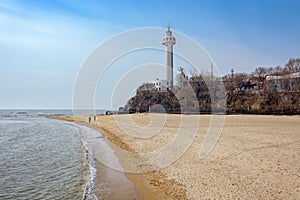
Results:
[95, 118]
[90, 119]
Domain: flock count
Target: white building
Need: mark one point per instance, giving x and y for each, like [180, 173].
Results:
[161, 85]
[289, 82]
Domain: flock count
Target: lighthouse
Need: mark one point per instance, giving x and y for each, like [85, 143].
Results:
[168, 41]
[167, 84]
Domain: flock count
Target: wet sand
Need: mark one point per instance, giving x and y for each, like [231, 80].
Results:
[108, 183]
[256, 157]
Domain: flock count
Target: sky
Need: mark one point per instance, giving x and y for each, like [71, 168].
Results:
[43, 44]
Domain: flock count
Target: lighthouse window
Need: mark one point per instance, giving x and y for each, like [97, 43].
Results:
[166, 39]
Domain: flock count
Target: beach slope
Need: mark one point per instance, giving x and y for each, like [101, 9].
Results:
[256, 157]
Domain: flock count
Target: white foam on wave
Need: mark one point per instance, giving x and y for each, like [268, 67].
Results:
[90, 184]
[89, 160]
[89, 157]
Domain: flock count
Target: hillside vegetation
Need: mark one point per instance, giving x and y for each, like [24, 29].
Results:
[195, 94]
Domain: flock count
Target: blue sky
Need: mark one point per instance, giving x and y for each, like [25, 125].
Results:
[44, 43]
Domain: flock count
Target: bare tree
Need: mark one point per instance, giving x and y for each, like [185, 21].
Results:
[278, 71]
[293, 65]
[260, 72]
[181, 78]
[270, 70]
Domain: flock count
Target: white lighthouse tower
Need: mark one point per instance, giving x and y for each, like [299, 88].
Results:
[168, 40]
[162, 85]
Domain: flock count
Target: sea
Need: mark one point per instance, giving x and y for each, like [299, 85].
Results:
[42, 158]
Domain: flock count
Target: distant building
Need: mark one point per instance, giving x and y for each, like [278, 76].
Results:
[250, 83]
[289, 82]
[161, 85]
[253, 82]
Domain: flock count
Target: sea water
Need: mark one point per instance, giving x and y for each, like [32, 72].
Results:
[41, 158]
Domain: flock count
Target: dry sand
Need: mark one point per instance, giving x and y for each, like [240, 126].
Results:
[256, 157]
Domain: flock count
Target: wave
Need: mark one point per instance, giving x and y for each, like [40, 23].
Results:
[90, 184]
[89, 160]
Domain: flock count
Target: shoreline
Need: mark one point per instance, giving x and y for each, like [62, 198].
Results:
[104, 182]
[92, 171]
[86, 156]
[147, 185]
[241, 165]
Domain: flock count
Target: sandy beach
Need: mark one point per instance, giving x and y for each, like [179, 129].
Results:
[256, 157]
